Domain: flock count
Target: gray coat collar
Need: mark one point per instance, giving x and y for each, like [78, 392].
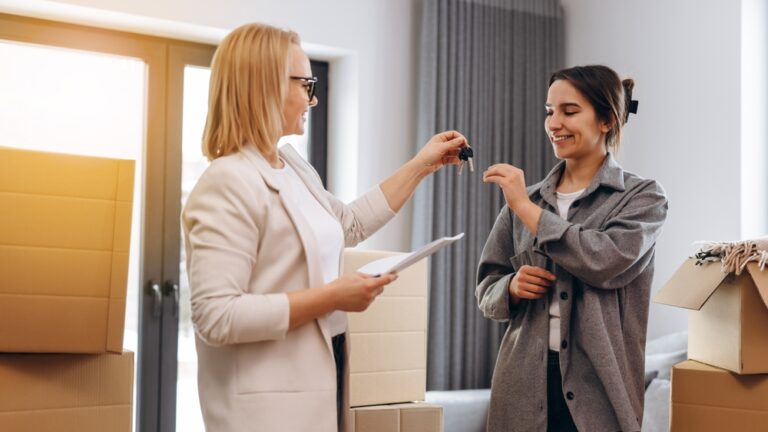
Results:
[610, 174]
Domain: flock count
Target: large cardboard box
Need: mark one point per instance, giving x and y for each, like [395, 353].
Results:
[728, 321]
[64, 236]
[706, 398]
[66, 392]
[388, 341]
[410, 417]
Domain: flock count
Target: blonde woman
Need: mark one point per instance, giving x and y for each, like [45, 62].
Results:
[264, 244]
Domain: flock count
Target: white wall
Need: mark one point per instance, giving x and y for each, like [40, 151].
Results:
[685, 58]
[371, 45]
[683, 54]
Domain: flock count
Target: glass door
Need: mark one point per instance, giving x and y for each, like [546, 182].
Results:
[79, 90]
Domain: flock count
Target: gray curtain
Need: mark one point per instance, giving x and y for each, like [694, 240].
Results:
[484, 67]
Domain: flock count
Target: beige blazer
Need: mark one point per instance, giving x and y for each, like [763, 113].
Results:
[247, 246]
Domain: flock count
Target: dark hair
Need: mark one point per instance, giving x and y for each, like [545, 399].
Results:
[609, 95]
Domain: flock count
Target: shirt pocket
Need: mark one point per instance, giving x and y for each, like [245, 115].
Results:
[521, 259]
[531, 256]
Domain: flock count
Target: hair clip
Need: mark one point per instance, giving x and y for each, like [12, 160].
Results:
[633, 106]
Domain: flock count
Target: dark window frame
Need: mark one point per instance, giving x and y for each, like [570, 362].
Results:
[318, 125]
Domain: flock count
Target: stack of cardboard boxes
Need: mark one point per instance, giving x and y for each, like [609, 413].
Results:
[64, 237]
[388, 354]
[724, 384]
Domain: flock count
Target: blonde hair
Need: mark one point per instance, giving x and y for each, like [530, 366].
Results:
[249, 76]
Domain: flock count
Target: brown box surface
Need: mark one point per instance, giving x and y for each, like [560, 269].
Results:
[706, 398]
[64, 240]
[728, 320]
[66, 392]
[388, 341]
[409, 417]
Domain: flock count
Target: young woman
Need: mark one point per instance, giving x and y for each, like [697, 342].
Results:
[569, 262]
[264, 243]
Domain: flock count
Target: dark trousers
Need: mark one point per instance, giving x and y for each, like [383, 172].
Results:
[338, 343]
[558, 416]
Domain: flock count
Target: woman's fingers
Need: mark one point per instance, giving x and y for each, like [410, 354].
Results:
[534, 282]
[451, 135]
[537, 271]
[451, 160]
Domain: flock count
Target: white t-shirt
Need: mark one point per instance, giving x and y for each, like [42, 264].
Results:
[564, 201]
[325, 227]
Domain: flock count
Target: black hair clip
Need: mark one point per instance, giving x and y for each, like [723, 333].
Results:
[633, 106]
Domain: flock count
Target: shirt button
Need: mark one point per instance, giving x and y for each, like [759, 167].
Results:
[564, 345]
[563, 295]
[569, 395]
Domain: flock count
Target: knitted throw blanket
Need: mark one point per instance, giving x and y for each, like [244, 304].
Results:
[734, 256]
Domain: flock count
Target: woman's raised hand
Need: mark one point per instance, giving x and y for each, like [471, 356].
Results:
[442, 149]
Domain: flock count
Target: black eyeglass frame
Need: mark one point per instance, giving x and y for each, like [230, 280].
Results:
[310, 83]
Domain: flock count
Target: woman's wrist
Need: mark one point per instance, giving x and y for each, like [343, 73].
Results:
[419, 168]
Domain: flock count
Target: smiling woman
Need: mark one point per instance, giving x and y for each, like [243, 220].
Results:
[569, 262]
[264, 243]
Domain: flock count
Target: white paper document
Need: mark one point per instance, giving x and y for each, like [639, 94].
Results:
[401, 262]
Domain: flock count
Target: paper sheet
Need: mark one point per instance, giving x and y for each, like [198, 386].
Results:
[398, 263]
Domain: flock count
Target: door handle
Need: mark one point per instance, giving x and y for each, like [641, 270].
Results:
[157, 298]
[172, 290]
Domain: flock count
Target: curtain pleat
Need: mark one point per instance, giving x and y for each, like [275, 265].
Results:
[483, 70]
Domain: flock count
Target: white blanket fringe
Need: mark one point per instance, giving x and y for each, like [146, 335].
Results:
[735, 256]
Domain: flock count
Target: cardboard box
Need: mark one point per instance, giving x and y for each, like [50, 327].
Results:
[66, 392]
[388, 341]
[64, 239]
[728, 321]
[411, 417]
[706, 398]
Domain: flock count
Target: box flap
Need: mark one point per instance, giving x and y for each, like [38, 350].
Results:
[761, 280]
[691, 285]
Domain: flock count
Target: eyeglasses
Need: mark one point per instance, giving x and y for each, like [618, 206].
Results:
[309, 85]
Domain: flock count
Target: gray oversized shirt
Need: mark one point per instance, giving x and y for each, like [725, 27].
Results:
[602, 257]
